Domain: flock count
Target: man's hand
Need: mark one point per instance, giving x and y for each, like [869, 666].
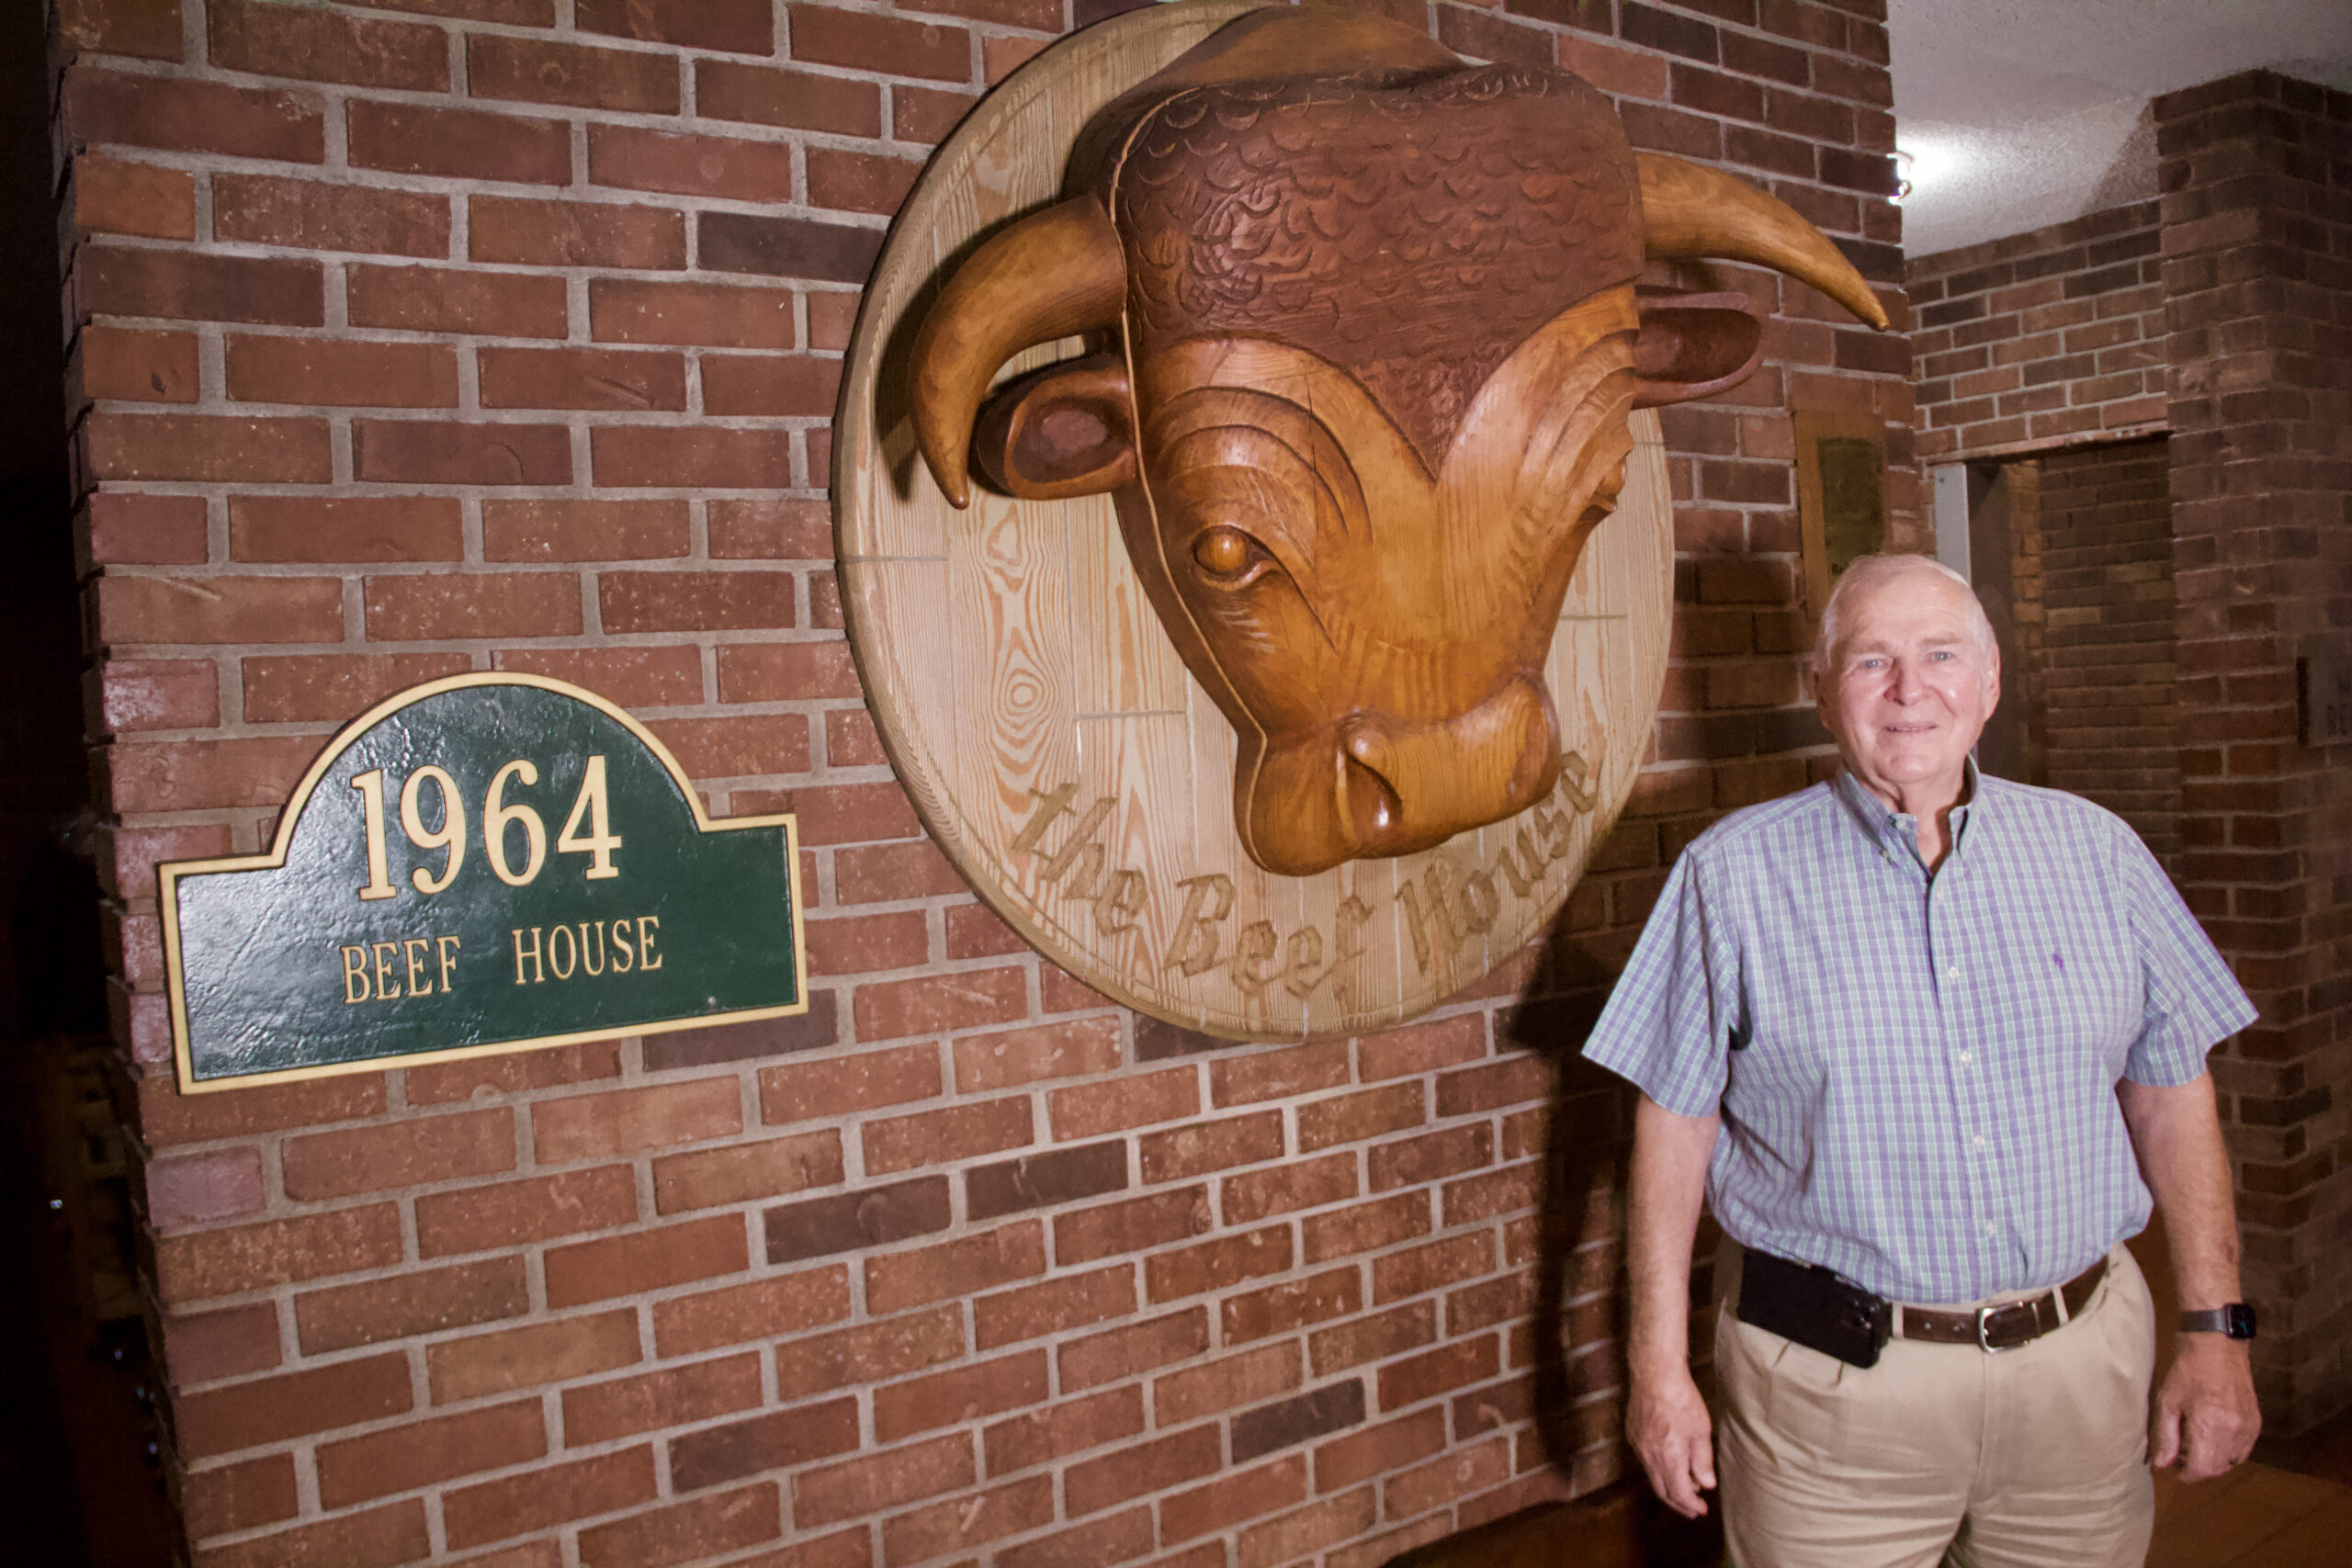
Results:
[1665, 1418]
[1667, 1423]
[2205, 1417]
[2205, 1414]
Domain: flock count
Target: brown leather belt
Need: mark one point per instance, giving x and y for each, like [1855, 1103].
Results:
[2007, 1325]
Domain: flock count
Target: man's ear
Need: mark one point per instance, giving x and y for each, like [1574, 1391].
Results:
[1066, 431]
[1694, 346]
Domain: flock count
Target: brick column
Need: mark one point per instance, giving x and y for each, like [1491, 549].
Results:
[2258, 225]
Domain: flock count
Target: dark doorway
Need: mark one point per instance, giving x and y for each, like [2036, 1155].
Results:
[2071, 553]
[2109, 620]
[2000, 498]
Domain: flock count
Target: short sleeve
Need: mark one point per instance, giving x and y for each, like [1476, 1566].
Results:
[1667, 1024]
[2192, 1001]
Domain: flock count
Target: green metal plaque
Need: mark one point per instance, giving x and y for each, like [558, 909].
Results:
[479, 865]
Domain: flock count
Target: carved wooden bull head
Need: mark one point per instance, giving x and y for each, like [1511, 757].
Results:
[1370, 338]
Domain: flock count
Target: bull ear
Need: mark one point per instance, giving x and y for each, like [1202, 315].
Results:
[1694, 346]
[1066, 431]
[1055, 272]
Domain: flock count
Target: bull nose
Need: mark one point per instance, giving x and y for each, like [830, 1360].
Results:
[1368, 801]
[1368, 787]
[1408, 789]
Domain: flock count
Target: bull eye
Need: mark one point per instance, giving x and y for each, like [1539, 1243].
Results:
[1227, 555]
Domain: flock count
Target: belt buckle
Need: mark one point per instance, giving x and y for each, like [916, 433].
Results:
[1983, 1339]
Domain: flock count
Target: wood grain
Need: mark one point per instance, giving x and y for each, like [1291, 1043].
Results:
[1051, 737]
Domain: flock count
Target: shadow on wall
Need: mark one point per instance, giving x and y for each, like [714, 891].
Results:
[77, 1483]
[1579, 1295]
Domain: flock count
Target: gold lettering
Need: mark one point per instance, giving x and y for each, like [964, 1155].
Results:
[372, 971]
[384, 991]
[1347, 940]
[539, 970]
[1254, 946]
[1354, 916]
[1527, 869]
[1435, 926]
[590, 948]
[1301, 967]
[1480, 902]
[1195, 945]
[600, 841]
[1085, 883]
[1417, 923]
[370, 785]
[1079, 867]
[355, 975]
[1553, 828]
[1081, 839]
[1126, 895]
[1051, 804]
[1580, 780]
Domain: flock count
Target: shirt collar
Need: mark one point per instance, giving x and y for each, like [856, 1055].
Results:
[1888, 827]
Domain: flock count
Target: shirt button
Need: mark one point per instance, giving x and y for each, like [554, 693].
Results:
[1952, 973]
[1978, 1141]
[1968, 1055]
[1991, 1229]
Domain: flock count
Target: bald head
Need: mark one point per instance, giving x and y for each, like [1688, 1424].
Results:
[1867, 574]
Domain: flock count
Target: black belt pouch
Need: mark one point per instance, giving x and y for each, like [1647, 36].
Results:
[1814, 1307]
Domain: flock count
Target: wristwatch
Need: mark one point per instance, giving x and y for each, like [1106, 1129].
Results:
[2236, 1319]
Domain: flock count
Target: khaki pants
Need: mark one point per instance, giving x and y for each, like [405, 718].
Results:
[2032, 1458]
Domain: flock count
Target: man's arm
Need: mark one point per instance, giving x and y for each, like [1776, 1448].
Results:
[2205, 1413]
[1665, 1418]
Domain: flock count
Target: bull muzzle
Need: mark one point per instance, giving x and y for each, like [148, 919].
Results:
[1370, 786]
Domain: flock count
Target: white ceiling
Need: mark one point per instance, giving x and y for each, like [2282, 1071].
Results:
[2023, 113]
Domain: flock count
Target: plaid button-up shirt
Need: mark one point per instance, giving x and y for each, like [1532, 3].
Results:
[1916, 1075]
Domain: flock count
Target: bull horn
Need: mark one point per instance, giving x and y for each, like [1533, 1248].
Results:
[1690, 210]
[1055, 272]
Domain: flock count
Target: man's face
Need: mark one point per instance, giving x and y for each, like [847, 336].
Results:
[1908, 687]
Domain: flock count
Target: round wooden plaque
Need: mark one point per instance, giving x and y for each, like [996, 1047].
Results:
[1051, 738]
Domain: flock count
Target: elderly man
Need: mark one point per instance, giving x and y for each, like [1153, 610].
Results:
[1906, 1031]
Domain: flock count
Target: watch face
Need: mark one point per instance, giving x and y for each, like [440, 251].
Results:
[2241, 1320]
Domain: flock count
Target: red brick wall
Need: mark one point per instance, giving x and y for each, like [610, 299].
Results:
[2257, 216]
[2041, 339]
[422, 335]
[2112, 725]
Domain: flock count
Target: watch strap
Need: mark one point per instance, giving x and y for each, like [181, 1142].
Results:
[2236, 1320]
